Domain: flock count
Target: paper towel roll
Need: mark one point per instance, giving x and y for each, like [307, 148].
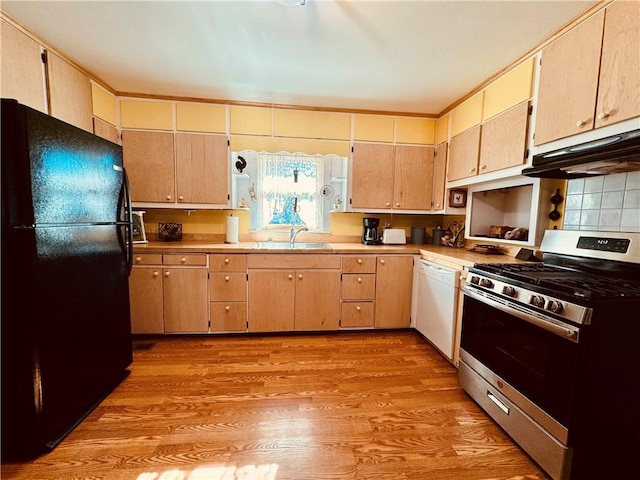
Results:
[232, 229]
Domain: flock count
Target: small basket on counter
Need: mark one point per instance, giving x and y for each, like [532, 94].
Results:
[169, 231]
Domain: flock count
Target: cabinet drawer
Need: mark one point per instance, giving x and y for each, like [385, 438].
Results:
[227, 263]
[358, 287]
[228, 316]
[147, 259]
[228, 287]
[357, 314]
[359, 264]
[199, 259]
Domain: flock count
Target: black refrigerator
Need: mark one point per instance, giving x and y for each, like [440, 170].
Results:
[66, 259]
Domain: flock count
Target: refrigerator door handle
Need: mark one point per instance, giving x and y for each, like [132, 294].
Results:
[127, 222]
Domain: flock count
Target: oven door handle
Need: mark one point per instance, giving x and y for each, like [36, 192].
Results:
[560, 329]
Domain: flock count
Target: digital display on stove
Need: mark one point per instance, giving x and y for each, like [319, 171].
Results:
[617, 245]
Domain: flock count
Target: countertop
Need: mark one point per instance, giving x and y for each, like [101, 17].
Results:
[453, 257]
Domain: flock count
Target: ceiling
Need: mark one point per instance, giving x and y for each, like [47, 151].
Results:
[393, 56]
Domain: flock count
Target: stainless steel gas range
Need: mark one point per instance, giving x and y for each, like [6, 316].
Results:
[548, 350]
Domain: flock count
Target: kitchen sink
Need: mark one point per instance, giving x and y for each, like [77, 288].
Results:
[296, 246]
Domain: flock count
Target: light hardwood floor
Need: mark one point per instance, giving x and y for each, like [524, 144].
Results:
[345, 406]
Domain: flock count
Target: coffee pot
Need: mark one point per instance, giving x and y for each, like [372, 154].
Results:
[370, 231]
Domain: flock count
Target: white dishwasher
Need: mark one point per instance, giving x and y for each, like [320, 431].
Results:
[437, 305]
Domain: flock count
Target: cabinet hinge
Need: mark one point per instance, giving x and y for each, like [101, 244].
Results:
[530, 111]
[228, 196]
[351, 148]
[247, 277]
[526, 153]
[228, 142]
[44, 57]
[209, 324]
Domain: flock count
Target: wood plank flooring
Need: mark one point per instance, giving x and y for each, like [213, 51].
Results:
[345, 406]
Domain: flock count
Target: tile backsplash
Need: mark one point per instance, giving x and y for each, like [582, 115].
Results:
[604, 203]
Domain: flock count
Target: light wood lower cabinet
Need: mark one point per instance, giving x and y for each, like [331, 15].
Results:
[293, 292]
[358, 291]
[168, 294]
[228, 293]
[394, 279]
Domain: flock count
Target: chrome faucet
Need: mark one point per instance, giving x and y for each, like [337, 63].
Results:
[293, 233]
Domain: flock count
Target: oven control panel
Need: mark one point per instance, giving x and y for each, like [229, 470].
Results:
[562, 309]
[618, 245]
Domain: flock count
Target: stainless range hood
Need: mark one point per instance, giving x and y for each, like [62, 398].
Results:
[615, 154]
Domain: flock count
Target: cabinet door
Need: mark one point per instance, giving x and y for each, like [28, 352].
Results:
[619, 86]
[105, 130]
[394, 278]
[439, 176]
[463, 154]
[271, 300]
[412, 177]
[186, 305]
[317, 300]
[202, 168]
[504, 139]
[357, 315]
[372, 176]
[569, 82]
[148, 158]
[145, 292]
[228, 287]
[69, 93]
[21, 73]
[358, 287]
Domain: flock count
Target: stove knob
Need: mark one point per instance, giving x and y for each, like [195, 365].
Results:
[509, 291]
[485, 282]
[475, 280]
[537, 301]
[554, 306]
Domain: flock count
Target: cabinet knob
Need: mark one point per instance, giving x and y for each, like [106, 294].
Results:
[438, 205]
[360, 261]
[604, 115]
[155, 274]
[166, 274]
[168, 197]
[138, 259]
[388, 204]
[580, 123]
[382, 261]
[227, 308]
[300, 276]
[227, 260]
[471, 170]
[357, 308]
[290, 276]
[183, 259]
[226, 278]
[483, 167]
[397, 204]
[359, 280]
[180, 197]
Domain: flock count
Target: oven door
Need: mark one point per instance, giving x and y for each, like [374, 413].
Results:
[535, 354]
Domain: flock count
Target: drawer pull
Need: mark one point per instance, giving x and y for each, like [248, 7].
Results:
[360, 261]
[227, 260]
[227, 308]
[290, 276]
[382, 261]
[300, 276]
[500, 405]
[138, 259]
[359, 280]
[166, 274]
[183, 259]
[357, 308]
[226, 278]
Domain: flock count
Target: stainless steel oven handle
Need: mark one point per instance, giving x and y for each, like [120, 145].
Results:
[495, 400]
[539, 320]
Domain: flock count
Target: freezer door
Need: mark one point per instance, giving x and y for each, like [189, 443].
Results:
[59, 174]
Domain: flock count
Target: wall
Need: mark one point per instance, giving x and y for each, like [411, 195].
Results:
[605, 203]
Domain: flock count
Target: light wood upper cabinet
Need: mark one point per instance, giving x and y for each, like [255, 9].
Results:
[387, 176]
[69, 93]
[412, 177]
[504, 139]
[105, 130]
[619, 87]
[148, 158]
[464, 152]
[21, 68]
[202, 168]
[394, 279]
[590, 77]
[439, 176]
[372, 176]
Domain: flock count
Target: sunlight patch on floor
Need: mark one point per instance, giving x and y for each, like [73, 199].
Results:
[246, 472]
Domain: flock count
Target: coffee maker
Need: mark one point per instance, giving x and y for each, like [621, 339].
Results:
[370, 231]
